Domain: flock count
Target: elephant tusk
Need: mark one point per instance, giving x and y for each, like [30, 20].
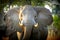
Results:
[19, 35]
[36, 25]
[20, 24]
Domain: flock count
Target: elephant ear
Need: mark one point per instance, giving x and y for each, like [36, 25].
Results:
[12, 21]
[43, 16]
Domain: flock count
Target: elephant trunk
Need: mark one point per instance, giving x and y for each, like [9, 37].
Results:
[28, 25]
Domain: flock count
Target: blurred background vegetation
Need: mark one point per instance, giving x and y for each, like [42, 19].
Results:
[53, 4]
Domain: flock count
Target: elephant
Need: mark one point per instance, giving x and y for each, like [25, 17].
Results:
[2, 25]
[12, 23]
[44, 18]
[31, 22]
[39, 15]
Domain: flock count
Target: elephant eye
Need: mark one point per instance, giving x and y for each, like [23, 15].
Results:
[35, 16]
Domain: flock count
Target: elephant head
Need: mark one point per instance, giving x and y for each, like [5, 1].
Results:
[27, 18]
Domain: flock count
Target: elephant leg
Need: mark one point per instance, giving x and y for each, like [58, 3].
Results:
[35, 35]
[44, 35]
[13, 36]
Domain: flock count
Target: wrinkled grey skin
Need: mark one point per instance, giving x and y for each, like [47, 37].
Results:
[2, 25]
[39, 15]
[12, 21]
[44, 18]
[28, 20]
[31, 16]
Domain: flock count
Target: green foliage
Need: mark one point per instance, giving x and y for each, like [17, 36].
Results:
[55, 18]
[37, 2]
[3, 3]
[56, 21]
[29, 2]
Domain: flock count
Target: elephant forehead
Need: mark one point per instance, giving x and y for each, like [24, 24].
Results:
[28, 19]
[28, 10]
[15, 17]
